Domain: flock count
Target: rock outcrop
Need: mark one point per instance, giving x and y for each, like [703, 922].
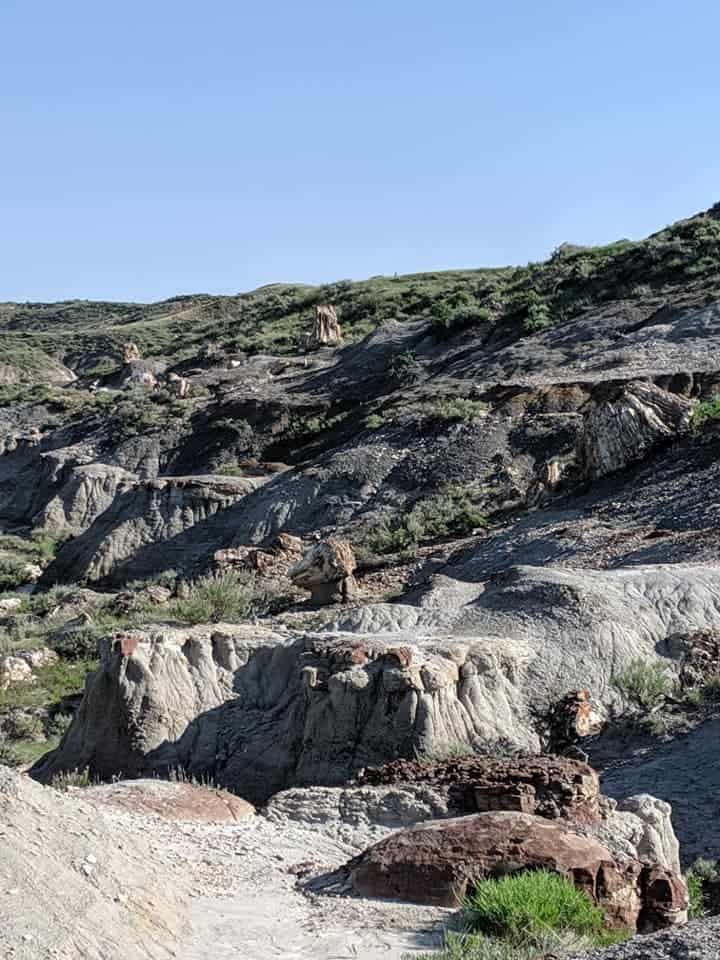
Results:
[326, 328]
[261, 711]
[74, 886]
[149, 525]
[550, 787]
[437, 862]
[327, 571]
[621, 428]
[131, 352]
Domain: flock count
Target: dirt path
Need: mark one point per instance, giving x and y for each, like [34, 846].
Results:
[246, 904]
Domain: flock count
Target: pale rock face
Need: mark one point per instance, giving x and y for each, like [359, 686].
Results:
[10, 604]
[14, 670]
[326, 329]
[38, 658]
[622, 430]
[654, 837]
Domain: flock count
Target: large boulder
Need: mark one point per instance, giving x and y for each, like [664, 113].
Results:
[327, 570]
[437, 862]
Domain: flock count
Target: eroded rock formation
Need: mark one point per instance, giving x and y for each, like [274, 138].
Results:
[327, 571]
[436, 862]
[326, 328]
[622, 427]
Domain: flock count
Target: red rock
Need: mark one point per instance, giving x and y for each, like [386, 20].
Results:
[436, 862]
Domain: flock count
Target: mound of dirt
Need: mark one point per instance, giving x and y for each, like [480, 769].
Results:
[73, 885]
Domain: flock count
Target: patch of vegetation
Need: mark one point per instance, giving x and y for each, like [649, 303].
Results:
[140, 411]
[458, 409]
[12, 573]
[522, 904]
[527, 916]
[449, 513]
[71, 778]
[702, 873]
[706, 410]
[227, 596]
[405, 368]
[374, 421]
[644, 683]
[54, 681]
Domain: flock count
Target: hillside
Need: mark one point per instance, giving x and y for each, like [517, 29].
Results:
[483, 523]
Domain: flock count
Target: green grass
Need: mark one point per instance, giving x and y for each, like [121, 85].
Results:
[644, 683]
[54, 681]
[527, 916]
[12, 573]
[224, 597]
[525, 904]
[700, 873]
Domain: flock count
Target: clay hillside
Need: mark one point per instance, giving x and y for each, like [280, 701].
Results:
[377, 619]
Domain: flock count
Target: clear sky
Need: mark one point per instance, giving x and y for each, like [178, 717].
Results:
[161, 147]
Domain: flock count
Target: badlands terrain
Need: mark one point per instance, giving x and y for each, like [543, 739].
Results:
[321, 606]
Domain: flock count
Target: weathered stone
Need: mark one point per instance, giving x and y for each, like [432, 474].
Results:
[131, 352]
[183, 802]
[547, 786]
[326, 328]
[437, 861]
[14, 670]
[327, 571]
[10, 605]
[626, 422]
[38, 658]
[177, 385]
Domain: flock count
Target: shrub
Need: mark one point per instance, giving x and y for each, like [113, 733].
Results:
[449, 513]
[9, 755]
[12, 573]
[458, 409]
[538, 946]
[225, 596]
[374, 421]
[706, 410]
[700, 873]
[71, 778]
[78, 644]
[533, 902]
[405, 368]
[644, 683]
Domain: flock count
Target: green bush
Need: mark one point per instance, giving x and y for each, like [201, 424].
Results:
[450, 513]
[700, 873]
[539, 946]
[458, 409]
[706, 410]
[524, 904]
[12, 573]
[644, 683]
[405, 368]
[374, 421]
[78, 644]
[71, 778]
[226, 596]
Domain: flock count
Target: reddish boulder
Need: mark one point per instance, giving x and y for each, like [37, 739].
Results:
[548, 786]
[435, 862]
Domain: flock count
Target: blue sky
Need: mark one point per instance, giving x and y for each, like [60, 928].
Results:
[154, 148]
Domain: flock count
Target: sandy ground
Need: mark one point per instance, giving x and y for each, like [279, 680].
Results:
[246, 903]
